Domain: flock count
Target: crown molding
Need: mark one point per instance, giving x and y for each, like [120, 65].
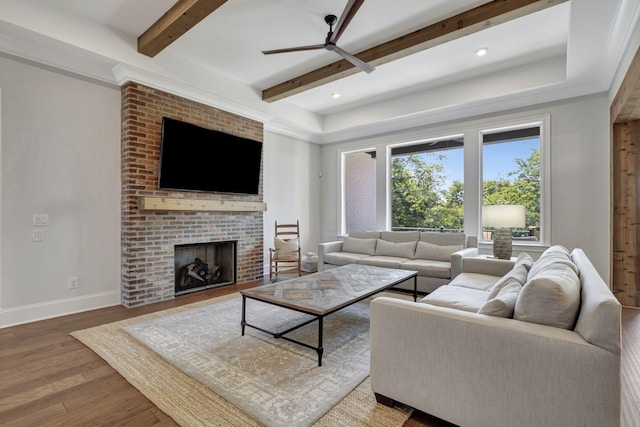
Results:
[125, 73]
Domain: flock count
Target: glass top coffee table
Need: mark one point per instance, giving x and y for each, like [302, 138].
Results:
[321, 294]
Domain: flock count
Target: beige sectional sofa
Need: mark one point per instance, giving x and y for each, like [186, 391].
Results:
[437, 257]
[505, 344]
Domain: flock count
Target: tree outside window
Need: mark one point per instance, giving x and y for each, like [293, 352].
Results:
[427, 189]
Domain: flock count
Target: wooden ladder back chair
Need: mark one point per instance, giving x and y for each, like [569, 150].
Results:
[286, 255]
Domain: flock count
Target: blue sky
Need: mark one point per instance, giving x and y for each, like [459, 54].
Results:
[499, 159]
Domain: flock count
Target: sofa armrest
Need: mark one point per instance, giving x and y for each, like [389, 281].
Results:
[491, 266]
[325, 248]
[472, 369]
[456, 260]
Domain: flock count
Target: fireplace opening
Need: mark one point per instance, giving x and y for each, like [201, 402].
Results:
[201, 266]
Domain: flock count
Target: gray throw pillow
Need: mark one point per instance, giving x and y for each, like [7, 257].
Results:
[426, 250]
[359, 246]
[550, 298]
[504, 303]
[401, 250]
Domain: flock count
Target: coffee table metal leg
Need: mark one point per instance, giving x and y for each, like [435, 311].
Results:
[320, 349]
[243, 323]
[415, 288]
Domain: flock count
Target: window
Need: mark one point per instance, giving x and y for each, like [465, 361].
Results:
[511, 175]
[359, 192]
[427, 190]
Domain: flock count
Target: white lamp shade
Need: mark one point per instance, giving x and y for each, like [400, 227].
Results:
[503, 216]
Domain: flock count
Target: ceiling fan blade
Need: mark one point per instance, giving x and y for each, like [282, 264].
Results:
[355, 61]
[294, 49]
[346, 17]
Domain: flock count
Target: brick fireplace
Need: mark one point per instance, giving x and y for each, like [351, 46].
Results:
[150, 235]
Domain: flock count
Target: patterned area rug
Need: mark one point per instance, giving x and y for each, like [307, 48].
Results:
[195, 366]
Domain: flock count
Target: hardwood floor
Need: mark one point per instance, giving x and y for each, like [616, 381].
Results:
[49, 378]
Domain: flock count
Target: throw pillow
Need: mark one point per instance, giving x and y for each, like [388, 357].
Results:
[518, 274]
[286, 248]
[551, 298]
[426, 250]
[525, 260]
[359, 246]
[551, 257]
[402, 249]
[504, 303]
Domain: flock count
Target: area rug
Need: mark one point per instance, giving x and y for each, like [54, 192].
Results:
[193, 364]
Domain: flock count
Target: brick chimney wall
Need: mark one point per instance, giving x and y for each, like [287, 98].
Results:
[148, 237]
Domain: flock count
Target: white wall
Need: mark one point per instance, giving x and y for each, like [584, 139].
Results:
[291, 189]
[61, 157]
[580, 181]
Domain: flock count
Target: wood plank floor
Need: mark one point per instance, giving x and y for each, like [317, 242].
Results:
[49, 378]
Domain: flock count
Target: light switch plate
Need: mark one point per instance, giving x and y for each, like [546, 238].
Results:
[38, 235]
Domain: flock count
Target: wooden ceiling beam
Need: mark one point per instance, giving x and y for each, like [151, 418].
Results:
[183, 16]
[465, 23]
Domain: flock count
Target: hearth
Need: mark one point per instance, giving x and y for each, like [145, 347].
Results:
[201, 266]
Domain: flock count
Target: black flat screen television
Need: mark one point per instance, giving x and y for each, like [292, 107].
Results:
[194, 158]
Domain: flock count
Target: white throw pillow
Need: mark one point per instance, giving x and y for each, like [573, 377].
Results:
[550, 258]
[426, 250]
[402, 250]
[504, 303]
[550, 298]
[518, 274]
[525, 260]
[359, 246]
[286, 248]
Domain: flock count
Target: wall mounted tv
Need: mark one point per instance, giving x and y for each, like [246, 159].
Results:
[194, 158]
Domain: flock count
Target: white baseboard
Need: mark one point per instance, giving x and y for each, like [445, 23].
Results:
[47, 310]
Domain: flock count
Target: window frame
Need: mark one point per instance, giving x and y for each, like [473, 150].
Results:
[390, 147]
[342, 230]
[471, 132]
[545, 175]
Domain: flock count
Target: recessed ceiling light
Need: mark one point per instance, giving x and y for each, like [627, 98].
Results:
[335, 95]
[482, 51]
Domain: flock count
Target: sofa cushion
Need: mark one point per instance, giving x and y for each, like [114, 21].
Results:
[455, 297]
[550, 298]
[429, 268]
[359, 246]
[518, 274]
[400, 236]
[382, 261]
[425, 250]
[477, 281]
[402, 250]
[343, 258]
[550, 258]
[444, 239]
[286, 248]
[504, 302]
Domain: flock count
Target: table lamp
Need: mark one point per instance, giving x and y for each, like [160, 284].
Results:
[502, 218]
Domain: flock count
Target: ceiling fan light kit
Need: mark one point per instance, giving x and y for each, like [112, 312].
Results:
[333, 36]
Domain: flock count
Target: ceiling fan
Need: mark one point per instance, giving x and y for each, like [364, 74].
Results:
[333, 36]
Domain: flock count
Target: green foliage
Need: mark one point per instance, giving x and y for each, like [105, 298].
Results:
[420, 198]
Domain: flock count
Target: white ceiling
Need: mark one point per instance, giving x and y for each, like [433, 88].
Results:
[567, 50]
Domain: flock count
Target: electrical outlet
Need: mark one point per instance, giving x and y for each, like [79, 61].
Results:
[41, 220]
[73, 282]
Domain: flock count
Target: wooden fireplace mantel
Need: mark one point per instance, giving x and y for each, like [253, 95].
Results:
[177, 204]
